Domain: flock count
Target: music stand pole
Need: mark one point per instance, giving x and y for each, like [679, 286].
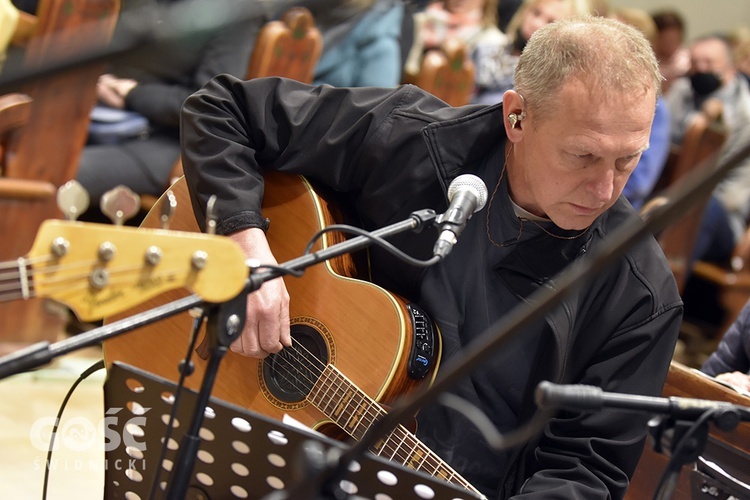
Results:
[225, 322]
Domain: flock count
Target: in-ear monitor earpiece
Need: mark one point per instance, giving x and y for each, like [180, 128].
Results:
[514, 119]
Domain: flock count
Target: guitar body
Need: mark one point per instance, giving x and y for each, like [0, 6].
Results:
[363, 330]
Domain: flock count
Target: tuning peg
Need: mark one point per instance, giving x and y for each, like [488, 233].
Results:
[168, 207]
[120, 204]
[72, 199]
[211, 215]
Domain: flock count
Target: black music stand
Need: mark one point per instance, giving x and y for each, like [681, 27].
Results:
[242, 454]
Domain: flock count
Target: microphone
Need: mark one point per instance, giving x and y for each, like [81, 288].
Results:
[467, 194]
[588, 397]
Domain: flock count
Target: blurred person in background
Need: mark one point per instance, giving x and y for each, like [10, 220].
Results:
[362, 42]
[739, 39]
[670, 49]
[730, 362]
[713, 82]
[496, 64]
[154, 86]
[643, 179]
[472, 21]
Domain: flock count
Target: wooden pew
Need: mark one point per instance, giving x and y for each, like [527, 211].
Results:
[289, 47]
[730, 450]
[25, 30]
[448, 73]
[46, 150]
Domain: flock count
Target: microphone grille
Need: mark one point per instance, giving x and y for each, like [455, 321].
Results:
[472, 183]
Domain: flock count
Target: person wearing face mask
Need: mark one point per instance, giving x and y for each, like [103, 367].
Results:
[496, 65]
[713, 78]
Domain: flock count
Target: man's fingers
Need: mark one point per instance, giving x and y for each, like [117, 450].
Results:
[285, 336]
[247, 344]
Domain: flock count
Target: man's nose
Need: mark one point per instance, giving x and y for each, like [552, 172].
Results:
[603, 185]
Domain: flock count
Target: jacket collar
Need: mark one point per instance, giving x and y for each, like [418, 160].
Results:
[458, 143]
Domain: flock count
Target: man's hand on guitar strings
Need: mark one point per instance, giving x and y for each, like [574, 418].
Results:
[267, 327]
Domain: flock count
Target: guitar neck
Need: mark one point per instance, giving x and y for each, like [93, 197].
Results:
[353, 411]
[98, 269]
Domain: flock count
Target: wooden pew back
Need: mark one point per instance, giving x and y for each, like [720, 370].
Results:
[51, 146]
[448, 73]
[288, 47]
[47, 150]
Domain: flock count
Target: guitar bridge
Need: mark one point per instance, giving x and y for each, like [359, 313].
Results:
[423, 349]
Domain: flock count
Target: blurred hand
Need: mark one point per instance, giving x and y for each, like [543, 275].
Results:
[713, 108]
[737, 379]
[112, 91]
[267, 326]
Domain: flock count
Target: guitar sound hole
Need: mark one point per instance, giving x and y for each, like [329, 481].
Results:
[291, 374]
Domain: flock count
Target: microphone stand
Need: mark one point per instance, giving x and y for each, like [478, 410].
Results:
[687, 441]
[680, 424]
[41, 353]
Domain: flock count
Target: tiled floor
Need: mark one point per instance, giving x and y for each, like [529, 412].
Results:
[30, 403]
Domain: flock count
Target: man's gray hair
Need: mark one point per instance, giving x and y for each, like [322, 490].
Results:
[605, 53]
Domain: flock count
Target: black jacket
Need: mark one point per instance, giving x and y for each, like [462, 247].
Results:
[393, 151]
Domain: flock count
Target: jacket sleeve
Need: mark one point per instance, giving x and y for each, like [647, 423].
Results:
[233, 129]
[733, 352]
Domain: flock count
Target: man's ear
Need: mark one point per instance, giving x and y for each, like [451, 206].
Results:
[514, 113]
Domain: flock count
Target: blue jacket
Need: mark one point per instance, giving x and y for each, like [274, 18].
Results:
[646, 174]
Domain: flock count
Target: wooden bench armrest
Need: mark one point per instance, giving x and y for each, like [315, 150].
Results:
[685, 383]
[25, 189]
[722, 275]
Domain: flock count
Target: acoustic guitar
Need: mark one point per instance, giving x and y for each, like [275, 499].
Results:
[355, 347]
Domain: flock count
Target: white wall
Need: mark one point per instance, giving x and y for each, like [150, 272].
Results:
[702, 17]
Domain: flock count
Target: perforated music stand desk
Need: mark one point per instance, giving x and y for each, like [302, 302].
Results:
[242, 454]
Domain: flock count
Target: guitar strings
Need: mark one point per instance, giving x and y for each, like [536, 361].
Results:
[15, 282]
[427, 461]
[393, 444]
[15, 289]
